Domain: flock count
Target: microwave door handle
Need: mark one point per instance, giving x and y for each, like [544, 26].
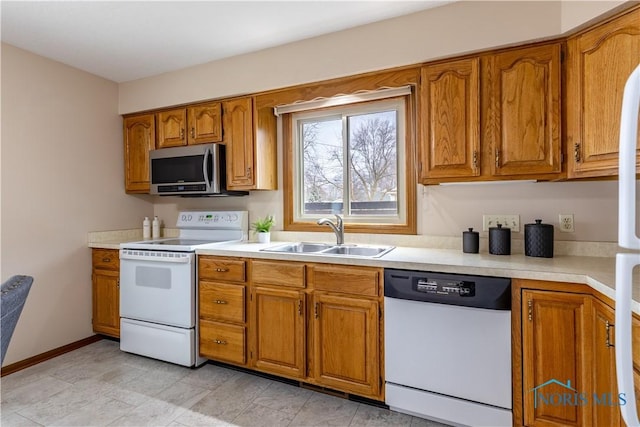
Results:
[627, 237]
[205, 169]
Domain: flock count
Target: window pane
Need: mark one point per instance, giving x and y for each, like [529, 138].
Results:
[373, 164]
[323, 173]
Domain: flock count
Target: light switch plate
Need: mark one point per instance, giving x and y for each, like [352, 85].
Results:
[507, 221]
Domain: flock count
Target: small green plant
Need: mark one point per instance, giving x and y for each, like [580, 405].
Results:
[263, 225]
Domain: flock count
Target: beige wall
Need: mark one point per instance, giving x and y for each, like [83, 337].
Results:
[575, 13]
[448, 30]
[62, 176]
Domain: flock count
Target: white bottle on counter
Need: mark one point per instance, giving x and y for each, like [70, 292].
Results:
[156, 227]
[146, 228]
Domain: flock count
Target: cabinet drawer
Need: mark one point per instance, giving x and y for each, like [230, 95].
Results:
[226, 269]
[222, 302]
[220, 341]
[348, 279]
[108, 259]
[278, 273]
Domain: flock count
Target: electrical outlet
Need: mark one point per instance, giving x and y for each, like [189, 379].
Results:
[566, 223]
[507, 221]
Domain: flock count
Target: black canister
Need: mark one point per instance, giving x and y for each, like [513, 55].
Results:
[470, 241]
[499, 240]
[538, 239]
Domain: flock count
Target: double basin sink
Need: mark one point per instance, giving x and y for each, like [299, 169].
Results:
[328, 249]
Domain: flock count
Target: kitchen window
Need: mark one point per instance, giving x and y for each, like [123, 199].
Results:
[352, 160]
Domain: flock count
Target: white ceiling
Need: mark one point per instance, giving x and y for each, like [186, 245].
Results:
[123, 40]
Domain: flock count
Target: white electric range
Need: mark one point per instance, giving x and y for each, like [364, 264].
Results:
[158, 286]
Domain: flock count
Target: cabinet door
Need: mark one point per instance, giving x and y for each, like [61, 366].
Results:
[139, 139]
[449, 96]
[205, 123]
[606, 410]
[279, 331]
[346, 345]
[106, 302]
[600, 62]
[556, 353]
[523, 116]
[171, 128]
[238, 136]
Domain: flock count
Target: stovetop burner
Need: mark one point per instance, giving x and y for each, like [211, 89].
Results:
[183, 242]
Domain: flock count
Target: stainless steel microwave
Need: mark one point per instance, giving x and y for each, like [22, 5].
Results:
[190, 171]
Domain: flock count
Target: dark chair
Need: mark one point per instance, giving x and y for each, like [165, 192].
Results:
[14, 293]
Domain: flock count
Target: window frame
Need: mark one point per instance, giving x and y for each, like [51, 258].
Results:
[405, 224]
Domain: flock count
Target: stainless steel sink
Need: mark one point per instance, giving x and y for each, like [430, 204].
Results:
[363, 251]
[328, 249]
[301, 247]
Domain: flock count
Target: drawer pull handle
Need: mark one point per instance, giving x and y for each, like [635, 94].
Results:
[220, 301]
[106, 259]
[222, 270]
[220, 342]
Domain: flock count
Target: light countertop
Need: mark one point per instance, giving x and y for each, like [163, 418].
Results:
[597, 272]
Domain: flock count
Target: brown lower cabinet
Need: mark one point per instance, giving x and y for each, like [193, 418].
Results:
[564, 361]
[317, 323]
[222, 307]
[105, 280]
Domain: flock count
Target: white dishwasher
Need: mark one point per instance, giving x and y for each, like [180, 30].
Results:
[448, 347]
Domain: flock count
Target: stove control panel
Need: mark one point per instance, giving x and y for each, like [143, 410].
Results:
[213, 219]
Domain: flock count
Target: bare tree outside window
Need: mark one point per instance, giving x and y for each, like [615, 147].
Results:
[371, 150]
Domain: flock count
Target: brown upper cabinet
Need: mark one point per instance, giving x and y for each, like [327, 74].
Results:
[198, 124]
[250, 137]
[139, 139]
[450, 107]
[491, 117]
[521, 110]
[599, 63]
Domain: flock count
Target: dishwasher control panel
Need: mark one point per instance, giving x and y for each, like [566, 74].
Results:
[446, 287]
[492, 293]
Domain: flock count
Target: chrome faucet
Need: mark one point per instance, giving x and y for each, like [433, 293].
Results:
[337, 227]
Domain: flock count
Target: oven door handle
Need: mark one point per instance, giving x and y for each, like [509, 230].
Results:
[185, 258]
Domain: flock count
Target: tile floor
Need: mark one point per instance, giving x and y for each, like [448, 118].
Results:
[100, 385]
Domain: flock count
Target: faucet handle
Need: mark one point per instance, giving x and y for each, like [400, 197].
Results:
[338, 221]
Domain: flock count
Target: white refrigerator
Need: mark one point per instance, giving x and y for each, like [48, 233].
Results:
[627, 239]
